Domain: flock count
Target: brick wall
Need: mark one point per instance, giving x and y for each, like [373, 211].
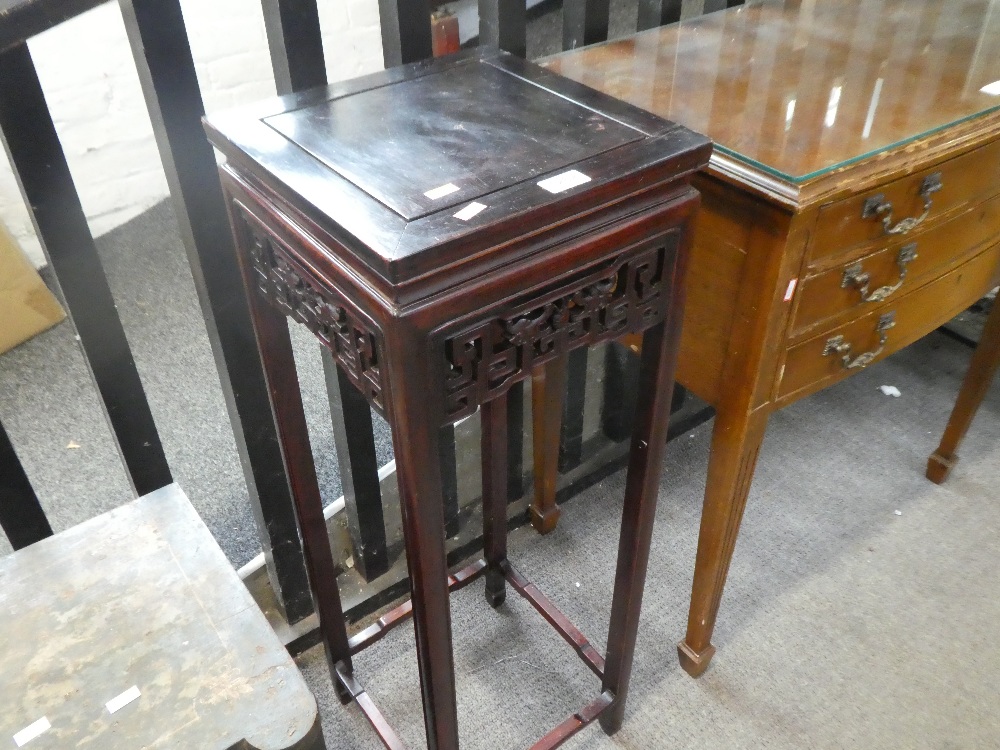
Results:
[93, 93]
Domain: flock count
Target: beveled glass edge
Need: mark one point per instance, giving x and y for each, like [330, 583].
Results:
[747, 160]
[798, 180]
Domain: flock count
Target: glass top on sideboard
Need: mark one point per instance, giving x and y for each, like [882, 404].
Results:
[799, 88]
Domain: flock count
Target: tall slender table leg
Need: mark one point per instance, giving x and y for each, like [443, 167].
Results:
[416, 413]
[982, 369]
[649, 440]
[275, 346]
[548, 383]
[736, 440]
[493, 416]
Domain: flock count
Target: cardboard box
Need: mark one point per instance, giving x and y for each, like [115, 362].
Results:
[27, 307]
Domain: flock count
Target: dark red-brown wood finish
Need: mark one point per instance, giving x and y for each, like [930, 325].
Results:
[401, 218]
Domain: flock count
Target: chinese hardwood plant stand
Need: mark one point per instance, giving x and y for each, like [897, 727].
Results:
[444, 228]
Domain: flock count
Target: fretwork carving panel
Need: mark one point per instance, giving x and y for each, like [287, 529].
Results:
[354, 340]
[628, 297]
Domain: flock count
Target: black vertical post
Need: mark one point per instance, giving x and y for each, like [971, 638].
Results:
[653, 13]
[39, 163]
[585, 22]
[406, 31]
[571, 430]
[449, 479]
[296, 44]
[713, 5]
[515, 442]
[679, 398]
[354, 438]
[503, 23]
[21, 515]
[621, 383]
[166, 71]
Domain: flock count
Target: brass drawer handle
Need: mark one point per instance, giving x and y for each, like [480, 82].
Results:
[878, 207]
[837, 346]
[855, 276]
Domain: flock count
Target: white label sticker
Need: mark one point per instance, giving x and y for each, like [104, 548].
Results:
[469, 211]
[441, 192]
[120, 701]
[563, 181]
[791, 289]
[29, 733]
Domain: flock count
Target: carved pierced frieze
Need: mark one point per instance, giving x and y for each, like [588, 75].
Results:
[339, 325]
[629, 297]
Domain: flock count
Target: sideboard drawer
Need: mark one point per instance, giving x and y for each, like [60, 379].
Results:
[906, 203]
[903, 264]
[841, 351]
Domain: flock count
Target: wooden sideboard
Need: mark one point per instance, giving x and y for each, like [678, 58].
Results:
[852, 205]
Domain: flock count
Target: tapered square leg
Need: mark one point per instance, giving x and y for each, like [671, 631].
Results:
[736, 440]
[416, 412]
[548, 384]
[975, 386]
[275, 347]
[659, 359]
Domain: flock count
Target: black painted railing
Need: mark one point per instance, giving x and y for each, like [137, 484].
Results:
[166, 71]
